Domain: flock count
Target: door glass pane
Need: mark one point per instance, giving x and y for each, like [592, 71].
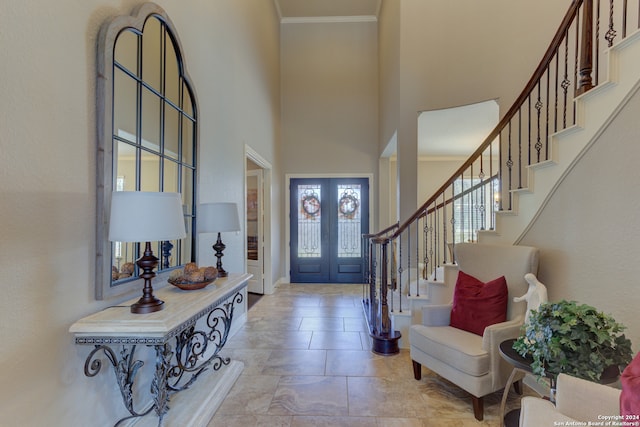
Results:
[309, 213]
[252, 218]
[349, 221]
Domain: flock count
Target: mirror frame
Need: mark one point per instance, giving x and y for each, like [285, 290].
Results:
[107, 38]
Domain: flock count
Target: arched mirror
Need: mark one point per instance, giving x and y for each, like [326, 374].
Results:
[147, 137]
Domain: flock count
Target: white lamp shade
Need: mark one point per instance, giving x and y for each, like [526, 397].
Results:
[139, 216]
[218, 217]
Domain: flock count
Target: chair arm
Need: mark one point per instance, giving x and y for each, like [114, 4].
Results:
[585, 400]
[436, 315]
[491, 339]
[495, 334]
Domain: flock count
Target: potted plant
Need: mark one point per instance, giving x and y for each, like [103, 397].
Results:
[574, 339]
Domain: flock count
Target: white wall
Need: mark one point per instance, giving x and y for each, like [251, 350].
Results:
[330, 97]
[589, 232]
[450, 56]
[47, 178]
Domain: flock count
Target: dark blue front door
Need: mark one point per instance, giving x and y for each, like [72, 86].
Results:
[328, 217]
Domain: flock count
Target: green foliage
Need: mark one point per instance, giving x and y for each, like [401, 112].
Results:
[574, 339]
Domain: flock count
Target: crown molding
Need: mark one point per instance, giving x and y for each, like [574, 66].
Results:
[329, 19]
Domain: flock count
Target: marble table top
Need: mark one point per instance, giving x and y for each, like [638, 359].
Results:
[117, 324]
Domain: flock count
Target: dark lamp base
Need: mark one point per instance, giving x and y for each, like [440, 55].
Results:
[148, 303]
[148, 306]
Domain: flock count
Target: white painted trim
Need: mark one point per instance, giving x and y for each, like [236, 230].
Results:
[329, 19]
[255, 157]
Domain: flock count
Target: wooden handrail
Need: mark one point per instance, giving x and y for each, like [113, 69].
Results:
[381, 233]
[531, 84]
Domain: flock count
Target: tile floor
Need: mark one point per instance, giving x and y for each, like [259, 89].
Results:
[308, 363]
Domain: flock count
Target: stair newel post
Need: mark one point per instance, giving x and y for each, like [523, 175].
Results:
[371, 303]
[384, 288]
[585, 82]
[372, 307]
[385, 339]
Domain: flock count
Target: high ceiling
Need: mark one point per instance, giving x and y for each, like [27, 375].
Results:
[456, 131]
[313, 9]
[450, 132]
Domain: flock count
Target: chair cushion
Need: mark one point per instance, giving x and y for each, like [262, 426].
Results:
[477, 305]
[459, 349]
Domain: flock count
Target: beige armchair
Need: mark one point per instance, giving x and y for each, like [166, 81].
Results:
[577, 401]
[470, 361]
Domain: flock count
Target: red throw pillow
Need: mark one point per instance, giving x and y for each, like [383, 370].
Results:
[630, 395]
[477, 305]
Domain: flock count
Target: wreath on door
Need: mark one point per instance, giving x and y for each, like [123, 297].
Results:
[348, 205]
[310, 205]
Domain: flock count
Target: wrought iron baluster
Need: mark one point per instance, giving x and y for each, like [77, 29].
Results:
[610, 35]
[444, 228]
[481, 205]
[565, 82]
[418, 272]
[546, 120]
[538, 106]
[520, 148]
[529, 129]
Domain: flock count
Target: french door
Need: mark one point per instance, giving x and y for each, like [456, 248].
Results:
[328, 217]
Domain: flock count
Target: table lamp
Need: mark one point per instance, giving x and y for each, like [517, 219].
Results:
[139, 216]
[217, 218]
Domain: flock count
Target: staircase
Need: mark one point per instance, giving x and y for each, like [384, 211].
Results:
[594, 110]
[497, 193]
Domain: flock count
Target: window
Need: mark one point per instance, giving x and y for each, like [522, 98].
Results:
[473, 207]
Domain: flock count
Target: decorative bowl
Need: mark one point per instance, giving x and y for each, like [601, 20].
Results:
[189, 286]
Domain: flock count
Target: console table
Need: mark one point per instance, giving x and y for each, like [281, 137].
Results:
[185, 338]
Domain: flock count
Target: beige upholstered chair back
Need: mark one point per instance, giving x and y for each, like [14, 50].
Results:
[488, 262]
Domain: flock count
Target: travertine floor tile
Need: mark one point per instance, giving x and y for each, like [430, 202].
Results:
[306, 351]
[254, 360]
[385, 397]
[310, 395]
[334, 340]
[270, 339]
[267, 322]
[251, 394]
[322, 324]
[333, 421]
[250, 421]
[355, 324]
[357, 363]
[295, 362]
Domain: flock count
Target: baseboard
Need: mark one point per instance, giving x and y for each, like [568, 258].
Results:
[195, 406]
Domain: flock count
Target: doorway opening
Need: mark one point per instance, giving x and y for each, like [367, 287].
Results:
[258, 222]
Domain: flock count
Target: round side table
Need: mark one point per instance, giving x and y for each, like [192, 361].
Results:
[520, 365]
